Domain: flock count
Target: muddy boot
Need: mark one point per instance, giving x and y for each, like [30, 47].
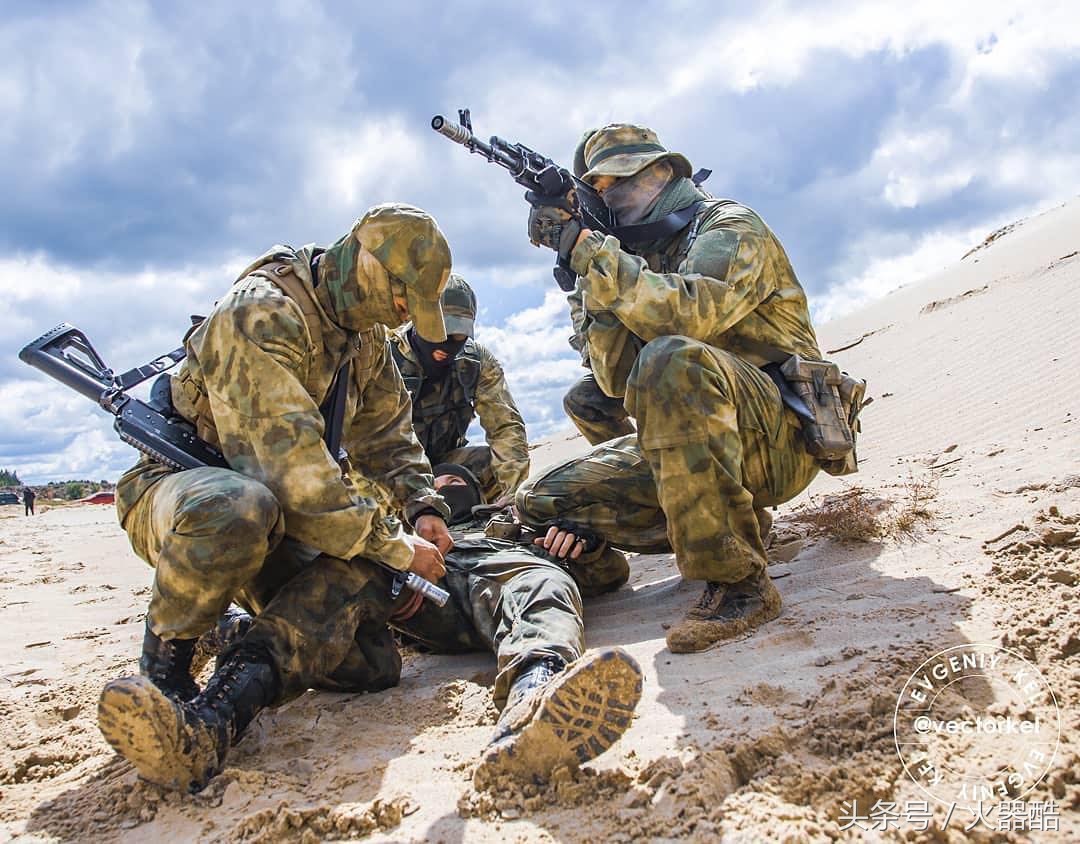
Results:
[229, 630]
[179, 745]
[167, 664]
[566, 717]
[724, 611]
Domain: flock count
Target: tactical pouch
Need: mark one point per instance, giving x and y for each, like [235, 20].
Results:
[825, 427]
[503, 525]
[852, 400]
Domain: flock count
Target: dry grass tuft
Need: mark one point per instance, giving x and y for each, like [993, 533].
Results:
[913, 510]
[854, 514]
[858, 514]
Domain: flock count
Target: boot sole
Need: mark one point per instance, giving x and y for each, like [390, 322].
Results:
[148, 730]
[582, 713]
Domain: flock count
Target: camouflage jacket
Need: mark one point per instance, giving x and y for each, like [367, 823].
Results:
[258, 369]
[443, 410]
[724, 280]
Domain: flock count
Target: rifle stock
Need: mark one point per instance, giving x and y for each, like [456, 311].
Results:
[67, 355]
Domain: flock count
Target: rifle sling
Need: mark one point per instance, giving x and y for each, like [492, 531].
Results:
[129, 379]
[333, 410]
[665, 227]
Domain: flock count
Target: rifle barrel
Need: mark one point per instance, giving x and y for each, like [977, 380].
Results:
[461, 135]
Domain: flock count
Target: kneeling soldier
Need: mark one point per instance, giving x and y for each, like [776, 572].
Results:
[285, 531]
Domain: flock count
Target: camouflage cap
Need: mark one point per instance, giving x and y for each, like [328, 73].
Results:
[624, 149]
[408, 243]
[458, 306]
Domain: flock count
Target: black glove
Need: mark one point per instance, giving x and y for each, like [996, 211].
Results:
[551, 223]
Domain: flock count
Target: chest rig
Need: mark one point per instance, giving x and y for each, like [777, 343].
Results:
[443, 408]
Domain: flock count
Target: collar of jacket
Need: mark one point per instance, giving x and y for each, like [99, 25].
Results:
[679, 194]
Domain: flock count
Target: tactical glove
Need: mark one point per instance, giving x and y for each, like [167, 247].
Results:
[551, 223]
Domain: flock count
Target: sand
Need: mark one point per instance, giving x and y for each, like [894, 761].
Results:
[975, 382]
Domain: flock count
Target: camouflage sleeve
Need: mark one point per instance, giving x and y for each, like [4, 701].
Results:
[270, 429]
[613, 349]
[722, 280]
[382, 446]
[580, 320]
[502, 423]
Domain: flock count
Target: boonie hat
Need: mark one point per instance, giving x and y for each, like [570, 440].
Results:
[625, 149]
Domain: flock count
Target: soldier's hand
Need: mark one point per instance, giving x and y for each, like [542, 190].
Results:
[551, 225]
[434, 530]
[561, 543]
[427, 560]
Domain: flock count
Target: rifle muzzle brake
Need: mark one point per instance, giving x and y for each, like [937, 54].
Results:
[456, 133]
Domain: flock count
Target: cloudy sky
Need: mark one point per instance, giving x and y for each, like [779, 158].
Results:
[149, 150]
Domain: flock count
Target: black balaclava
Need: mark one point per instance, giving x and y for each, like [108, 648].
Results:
[433, 368]
[460, 499]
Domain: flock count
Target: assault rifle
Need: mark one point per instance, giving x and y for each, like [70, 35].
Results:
[538, 174]
[551, 184]
[66, 354]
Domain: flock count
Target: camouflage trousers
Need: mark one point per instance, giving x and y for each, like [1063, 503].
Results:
[597, 415]
[714, 443]
[505, 598]
[477, 459]
[214, 537]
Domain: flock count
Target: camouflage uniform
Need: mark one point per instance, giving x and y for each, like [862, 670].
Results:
[679, 329]
[257, 371]
[473, 387]
[507, 598]
[599, 417]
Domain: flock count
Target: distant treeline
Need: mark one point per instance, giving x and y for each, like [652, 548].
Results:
[65, 490]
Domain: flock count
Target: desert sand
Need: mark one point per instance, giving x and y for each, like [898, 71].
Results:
[970, 452]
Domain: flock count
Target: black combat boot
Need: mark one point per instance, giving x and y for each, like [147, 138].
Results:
[180, 745]
[167, 664]
[561, 717]
[724, 611]
[532, 677]
[229, 630]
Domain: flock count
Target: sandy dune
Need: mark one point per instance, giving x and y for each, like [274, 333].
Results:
[975, 383]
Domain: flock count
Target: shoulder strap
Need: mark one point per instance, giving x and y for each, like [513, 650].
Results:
[467, 367]
[296, 289]
[333, 411]
[142, 373]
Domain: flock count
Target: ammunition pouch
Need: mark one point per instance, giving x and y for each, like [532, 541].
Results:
[852, 401]
[827, 402]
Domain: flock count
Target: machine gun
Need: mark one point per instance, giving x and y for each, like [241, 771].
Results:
[66, 354]
[541, 175]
